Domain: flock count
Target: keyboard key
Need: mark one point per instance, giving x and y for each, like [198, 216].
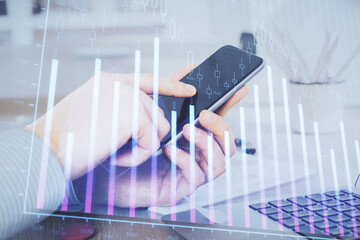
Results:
[313, 219]
[290, 223]
[258, 206]
[355, 213]
[355, 202]
[302, 214]
[318, 197]
[276, 216]
[322, 225]
[280, 203]
[339, 218]
[351, 193]
[317, 207]
[343, 208]
[332, 203]
[327, 213]
[338, 232]
[345, 191]
[291, 209]
[334, 193]
[352, 235]
[267, 211]
[351, 224]
[355, 195]
[346, 198]
[306, 229]
[301, 201]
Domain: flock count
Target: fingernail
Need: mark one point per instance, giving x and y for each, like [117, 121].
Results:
[190, 88]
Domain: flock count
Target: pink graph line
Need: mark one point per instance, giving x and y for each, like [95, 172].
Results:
[260, 153]
[173, 165]
[133, 171]
[94, 111]
[48, 125]
[154, 132]
[228, 180]
[192, 164]
[68, 161]
[114, 140]
[244, 165]
[274, 142]
[211, 178]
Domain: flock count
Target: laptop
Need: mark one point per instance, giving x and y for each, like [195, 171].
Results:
[324, 215]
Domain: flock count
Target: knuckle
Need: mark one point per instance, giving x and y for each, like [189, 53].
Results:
[166, 126]
[202, 178]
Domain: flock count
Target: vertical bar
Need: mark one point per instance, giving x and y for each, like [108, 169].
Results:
[135, 128]
[228, 179]
[173, 165]
[244, 166]
[306, 162]
[347, 168]
[336, 187]
[357, 153]
[290, 149]
[47, 135]
[274, 143]
[67, 173]
[192, 163]
[260, 153]
[37, 102]
[155, 113]
[211, 178]
[346, 158]
[114, 146]
[321, 172]
[356, 233]
[318, 154]
[94, 113]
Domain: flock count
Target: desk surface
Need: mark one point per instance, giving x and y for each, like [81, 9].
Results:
[50, 227]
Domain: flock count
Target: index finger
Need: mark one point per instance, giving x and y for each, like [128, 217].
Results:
[173, 87]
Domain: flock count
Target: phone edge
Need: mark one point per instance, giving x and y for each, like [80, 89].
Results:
[221, 100]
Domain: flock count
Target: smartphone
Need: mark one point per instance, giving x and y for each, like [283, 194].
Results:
[216, 79]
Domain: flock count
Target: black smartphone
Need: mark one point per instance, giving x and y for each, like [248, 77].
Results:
[216, 79]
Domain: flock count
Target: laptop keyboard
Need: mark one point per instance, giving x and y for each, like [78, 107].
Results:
[335, 213]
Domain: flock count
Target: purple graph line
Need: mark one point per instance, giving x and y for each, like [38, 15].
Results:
[94, 113]
[260, 154]
[114, 145]
[155, 132]
[173, 165]
[135, 128]
[68, 161]
[192, 164]
[47, 134]
[228, 179]
[211, 178]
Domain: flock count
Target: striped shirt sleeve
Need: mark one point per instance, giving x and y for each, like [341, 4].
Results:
[19, 182]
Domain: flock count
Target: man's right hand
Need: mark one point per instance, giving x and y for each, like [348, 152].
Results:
[74, 114]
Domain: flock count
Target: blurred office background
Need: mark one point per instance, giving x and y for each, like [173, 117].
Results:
[77, 31]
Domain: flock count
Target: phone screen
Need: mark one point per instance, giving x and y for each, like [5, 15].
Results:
[213, 78]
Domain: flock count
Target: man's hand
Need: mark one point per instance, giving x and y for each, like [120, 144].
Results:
[74, 114]
[215, 124]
